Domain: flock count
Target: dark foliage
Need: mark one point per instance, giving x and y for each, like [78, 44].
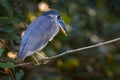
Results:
[88, 22]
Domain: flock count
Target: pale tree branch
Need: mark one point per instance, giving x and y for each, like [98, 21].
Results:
[74, 50]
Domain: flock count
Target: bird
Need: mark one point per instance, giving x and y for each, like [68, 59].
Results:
[41, 31]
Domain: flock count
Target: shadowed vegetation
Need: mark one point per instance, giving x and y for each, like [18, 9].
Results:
[88, 22]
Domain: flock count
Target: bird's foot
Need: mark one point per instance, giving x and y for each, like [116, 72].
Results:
[36, 61]
[45, 60]
[40, 58]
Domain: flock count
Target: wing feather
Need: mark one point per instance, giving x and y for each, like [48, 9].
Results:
[38, 34]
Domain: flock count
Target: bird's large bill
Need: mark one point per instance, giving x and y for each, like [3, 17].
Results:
[62, 26]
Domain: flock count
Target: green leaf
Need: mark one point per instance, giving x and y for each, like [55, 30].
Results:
[7, 5]
[5, 18]
[7, 65]
[15, 37]
[8, 8]
[1, 51]
[19, 74]
[7, 29]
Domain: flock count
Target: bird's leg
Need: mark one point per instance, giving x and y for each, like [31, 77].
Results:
[43, 58]
[36, 61]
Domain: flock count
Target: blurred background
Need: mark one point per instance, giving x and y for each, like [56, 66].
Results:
[88, 22]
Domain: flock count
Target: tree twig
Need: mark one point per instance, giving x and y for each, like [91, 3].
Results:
[74, 50]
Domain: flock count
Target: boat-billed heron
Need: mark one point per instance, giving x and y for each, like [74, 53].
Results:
[42, 30]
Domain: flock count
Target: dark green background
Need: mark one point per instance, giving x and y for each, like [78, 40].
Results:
[88, 22]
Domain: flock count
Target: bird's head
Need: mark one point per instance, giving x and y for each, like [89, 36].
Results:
[58, 19]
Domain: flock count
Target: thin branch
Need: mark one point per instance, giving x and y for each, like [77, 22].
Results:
[74, 50]
[23, 64]
[84, 48]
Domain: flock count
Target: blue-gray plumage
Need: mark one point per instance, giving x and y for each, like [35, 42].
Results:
[42, 30]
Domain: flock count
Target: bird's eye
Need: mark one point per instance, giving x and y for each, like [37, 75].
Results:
[58, 17]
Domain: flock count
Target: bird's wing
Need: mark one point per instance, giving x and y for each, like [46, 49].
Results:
[38, 34]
